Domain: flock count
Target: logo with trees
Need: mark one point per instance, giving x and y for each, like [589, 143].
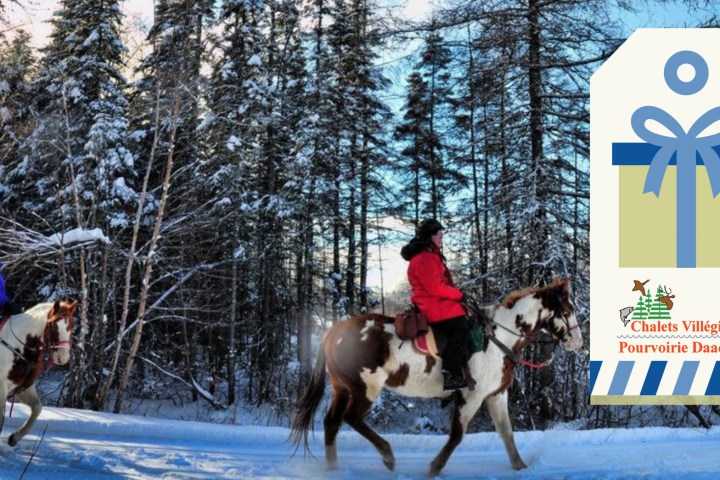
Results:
[649, 306]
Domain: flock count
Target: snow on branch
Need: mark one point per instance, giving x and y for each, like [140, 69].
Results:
[19, 243]
[204, 394]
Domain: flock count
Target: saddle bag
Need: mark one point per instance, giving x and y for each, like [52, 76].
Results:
[410, 323]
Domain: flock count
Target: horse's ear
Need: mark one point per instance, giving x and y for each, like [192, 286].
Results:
[52, 313]
[72, 306]
[563, 285]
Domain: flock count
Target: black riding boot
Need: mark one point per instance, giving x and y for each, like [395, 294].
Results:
[455, 335]
[453, 382]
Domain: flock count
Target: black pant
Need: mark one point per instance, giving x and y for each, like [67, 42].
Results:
[453, 336]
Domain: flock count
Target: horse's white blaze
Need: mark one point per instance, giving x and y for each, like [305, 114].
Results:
[61, 355]
[576, 340]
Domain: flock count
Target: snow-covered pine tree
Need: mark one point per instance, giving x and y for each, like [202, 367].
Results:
[254, 140]
[78, 171]
[412, 133]
[17, 69]
[434, 67]
[354, 37]
[428, 165]
[165, 119]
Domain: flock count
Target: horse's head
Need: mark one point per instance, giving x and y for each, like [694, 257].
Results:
[562, 322]
[59, 329]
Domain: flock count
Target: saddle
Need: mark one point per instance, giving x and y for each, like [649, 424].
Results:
[426, 344]
[413, 325]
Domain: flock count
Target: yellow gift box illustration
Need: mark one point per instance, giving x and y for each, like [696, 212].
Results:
[669, 206]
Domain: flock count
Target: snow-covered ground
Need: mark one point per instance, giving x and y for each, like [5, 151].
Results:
[80, 444]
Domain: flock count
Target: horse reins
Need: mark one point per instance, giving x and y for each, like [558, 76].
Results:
[41, 358]
[14, 350]
[53, 346]
[512, 355]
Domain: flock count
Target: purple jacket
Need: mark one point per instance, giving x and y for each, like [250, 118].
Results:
[4, 300]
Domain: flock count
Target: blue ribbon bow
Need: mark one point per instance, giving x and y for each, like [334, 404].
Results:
[686, 146]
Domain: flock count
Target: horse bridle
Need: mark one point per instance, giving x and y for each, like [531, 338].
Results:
[568, 328]
[53, 346]
[62, 344]
[514, 357]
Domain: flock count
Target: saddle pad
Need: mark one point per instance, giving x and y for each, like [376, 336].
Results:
[426, 344]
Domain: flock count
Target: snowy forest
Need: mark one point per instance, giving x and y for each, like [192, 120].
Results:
[214, 196]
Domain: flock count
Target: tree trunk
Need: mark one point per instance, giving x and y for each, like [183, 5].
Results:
[539, 274]
[352, 246]
[364, 200]
[103, 394]
[232, 322]
[149, 263]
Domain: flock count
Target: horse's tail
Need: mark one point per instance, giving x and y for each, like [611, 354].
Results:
[308, 403]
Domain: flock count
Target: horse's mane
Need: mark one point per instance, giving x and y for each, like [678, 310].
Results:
[512, 298]
[39, 311]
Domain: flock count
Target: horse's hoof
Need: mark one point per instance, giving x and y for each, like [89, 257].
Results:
[390, 464]
[519, 465]
[11, 440]
[434, 470]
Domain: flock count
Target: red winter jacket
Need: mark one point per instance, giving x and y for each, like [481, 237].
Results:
[432, 289]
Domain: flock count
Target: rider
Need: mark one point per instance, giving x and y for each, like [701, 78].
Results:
[435, 294]
[7, 306]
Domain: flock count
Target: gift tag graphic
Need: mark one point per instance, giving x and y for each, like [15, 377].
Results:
[655, 220]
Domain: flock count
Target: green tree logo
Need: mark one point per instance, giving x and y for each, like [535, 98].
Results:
[657, 309]
[641, 311]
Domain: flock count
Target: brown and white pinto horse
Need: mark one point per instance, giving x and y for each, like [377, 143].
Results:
[362, 355]
[25, 340]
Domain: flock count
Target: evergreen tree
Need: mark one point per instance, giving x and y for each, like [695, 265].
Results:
[641, 311]
[17, 68]
[412, 131]
[658, 310]
[354, 37]
[165, 119]
[79, 164]
[425, 134]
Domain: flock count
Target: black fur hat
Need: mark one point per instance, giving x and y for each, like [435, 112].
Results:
[428, 228]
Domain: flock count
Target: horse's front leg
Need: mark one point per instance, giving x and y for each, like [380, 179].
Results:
[466, 404]
[30, 398]
[3, 397]
[497, 406]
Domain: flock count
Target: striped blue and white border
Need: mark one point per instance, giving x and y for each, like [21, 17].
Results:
[654, 382]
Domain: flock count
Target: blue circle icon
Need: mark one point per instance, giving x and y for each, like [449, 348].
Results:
[686, 57]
